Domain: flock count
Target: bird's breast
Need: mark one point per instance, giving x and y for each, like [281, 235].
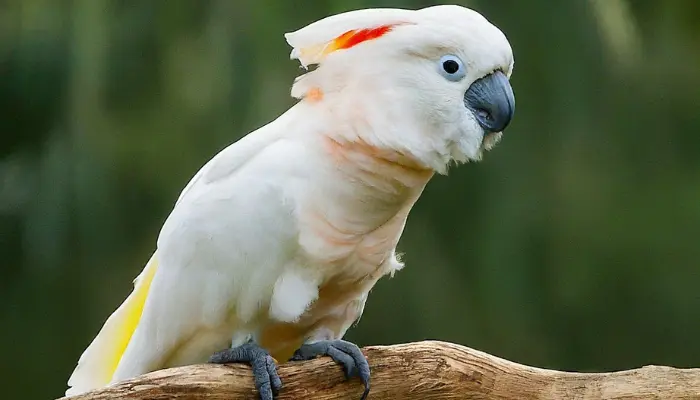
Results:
[350, 221]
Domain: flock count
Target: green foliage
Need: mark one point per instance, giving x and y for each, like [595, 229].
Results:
[574, 245]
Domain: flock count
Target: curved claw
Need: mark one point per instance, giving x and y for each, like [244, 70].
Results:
[347, 354]
[267, 381]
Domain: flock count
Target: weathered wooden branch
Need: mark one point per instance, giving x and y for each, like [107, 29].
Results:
[423, 370]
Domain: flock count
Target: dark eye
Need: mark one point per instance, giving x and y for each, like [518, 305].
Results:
[452, 68]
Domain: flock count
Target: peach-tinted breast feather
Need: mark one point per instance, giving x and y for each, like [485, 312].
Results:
[314, 95]
[354, 250]
[386, 165]
[369, 219]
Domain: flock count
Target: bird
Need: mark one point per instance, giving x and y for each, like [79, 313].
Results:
[270, 251]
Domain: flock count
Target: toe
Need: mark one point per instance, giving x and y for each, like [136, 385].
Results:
[359, 361]
[347, 354]
[267, 381]
[275, 381]
[262, 377]
[220, 357]
[345, 360]
[311, 350]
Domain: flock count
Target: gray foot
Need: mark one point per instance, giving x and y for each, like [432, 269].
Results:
[347, 354]
[267, 382]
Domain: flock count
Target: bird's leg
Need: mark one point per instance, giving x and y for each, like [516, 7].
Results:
[267, 381]
[347, 354]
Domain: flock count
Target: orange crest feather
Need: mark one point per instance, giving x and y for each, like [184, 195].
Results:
[315, 53]
[354, 37]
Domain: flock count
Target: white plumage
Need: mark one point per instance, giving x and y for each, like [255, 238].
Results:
[281, 235]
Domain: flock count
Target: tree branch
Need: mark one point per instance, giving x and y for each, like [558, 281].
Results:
[422, 370]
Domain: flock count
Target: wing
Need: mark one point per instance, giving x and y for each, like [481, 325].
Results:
[228, 234]
[231, 158]
[220, 252]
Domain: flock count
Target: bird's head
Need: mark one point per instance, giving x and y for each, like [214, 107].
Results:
[432, 83]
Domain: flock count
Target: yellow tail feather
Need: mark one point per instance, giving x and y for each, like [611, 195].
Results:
[132, 314]
[101, 359]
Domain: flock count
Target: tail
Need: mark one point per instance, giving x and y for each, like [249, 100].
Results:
[99, 361]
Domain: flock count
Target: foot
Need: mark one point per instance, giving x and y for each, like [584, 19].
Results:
[267, 382]
[347, 354]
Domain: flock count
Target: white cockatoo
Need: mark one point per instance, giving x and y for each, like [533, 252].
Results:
[272, 248]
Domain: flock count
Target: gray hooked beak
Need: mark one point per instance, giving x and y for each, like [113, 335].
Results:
[492, 101]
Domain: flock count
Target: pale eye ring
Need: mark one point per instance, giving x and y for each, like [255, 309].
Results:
[452, 68]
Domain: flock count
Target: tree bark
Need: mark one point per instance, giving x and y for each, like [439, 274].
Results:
[423, 370]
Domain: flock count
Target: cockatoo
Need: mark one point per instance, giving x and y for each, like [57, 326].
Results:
[272, 248]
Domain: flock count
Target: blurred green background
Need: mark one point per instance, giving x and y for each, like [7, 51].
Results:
[574, 245]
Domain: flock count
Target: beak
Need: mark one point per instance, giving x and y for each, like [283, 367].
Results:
[492, 101]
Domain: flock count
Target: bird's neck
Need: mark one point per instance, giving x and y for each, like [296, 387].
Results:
[376, 166]
[355, 208]
[377, 182]
[367, 180]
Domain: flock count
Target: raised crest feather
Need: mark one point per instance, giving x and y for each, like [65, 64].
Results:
[312, 43]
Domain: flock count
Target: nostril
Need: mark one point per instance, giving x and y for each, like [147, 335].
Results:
[484, 115]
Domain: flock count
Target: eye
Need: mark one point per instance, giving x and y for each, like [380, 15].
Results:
[452, 68]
